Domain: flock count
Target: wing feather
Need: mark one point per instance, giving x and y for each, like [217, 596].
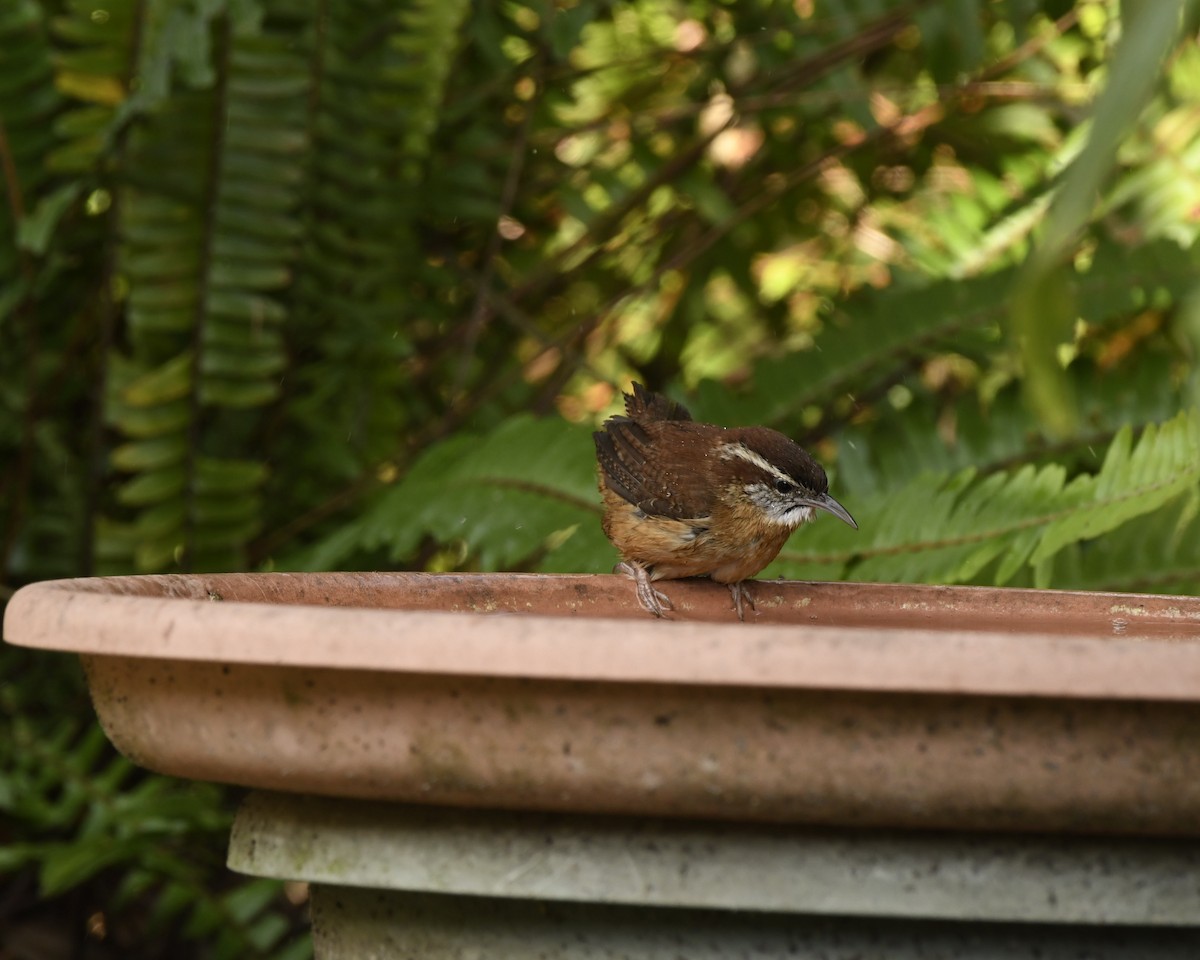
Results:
[653, 457]
[652, 466]
[644, 405]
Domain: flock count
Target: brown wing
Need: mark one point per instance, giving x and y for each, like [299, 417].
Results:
[644, 405]
[657, 466]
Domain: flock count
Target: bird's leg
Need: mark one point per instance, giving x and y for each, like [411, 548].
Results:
[742, 595]
[655, 601]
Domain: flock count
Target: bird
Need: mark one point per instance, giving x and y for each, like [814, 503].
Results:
[688, 499]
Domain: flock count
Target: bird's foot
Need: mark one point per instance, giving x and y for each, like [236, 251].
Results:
[741, 597]
[654, 601]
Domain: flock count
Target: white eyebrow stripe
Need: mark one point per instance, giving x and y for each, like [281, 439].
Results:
[728, 451]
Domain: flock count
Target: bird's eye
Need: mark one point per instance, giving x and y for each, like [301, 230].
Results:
[784, 487]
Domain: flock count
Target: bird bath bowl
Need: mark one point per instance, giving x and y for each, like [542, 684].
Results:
[419, 706]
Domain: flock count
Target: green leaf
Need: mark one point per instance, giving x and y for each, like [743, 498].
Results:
[170, 381]
[216, 362]
[215, 477]
[1001, 433]
[14, 856]
[143, 422]
[882, 332]
[151, 454]
[1158, 552]
[249, 276]
[159, 320]
[265, 139]
[37, 229]
[515, 494]
[164, 521]
[245, 306]
[1132, 482]
[161, 553]
[1043, 311]
[1189, 329]
[152, 487]
[68, 865]
[236, 394]
[1042, 306]
[952, 529]
[162, 266]
[165, 296]
[249, 900]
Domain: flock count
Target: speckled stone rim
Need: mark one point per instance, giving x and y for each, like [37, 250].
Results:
[848, 636]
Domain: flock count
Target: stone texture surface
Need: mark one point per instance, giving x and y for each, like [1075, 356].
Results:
[381, 925]
[394, 882]
[858, 704]
[720, 866]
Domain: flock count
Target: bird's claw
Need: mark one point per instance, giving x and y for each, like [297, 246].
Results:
[654, 601]
[741, 596]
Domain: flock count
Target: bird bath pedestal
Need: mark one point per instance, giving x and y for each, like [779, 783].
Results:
[524, 765]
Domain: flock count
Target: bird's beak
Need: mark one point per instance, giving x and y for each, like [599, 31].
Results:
[825, 502]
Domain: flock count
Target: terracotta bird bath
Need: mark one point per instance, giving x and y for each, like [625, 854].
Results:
[495, 763]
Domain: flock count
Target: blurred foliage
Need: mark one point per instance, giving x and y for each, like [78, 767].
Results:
[135, 859]
[289, 284]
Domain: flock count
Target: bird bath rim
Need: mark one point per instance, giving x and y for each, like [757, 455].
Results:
[848, 636]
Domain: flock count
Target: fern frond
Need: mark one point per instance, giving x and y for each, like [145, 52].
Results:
[949, 529]
[1155, 553]
[209, 227]
[380, 72]
[527, 491]
[28, 103]
[1132, 481]
[883, 332]
[897, 446]
[524, 494]
[96, 62]
[42, 309]
[139, 844]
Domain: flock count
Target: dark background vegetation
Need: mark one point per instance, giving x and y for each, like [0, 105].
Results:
[300, 284]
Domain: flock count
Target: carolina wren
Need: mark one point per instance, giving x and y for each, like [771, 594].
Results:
[687, 499]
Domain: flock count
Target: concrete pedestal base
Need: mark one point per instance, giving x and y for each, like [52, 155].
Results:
[393, 881]
[360, 924]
